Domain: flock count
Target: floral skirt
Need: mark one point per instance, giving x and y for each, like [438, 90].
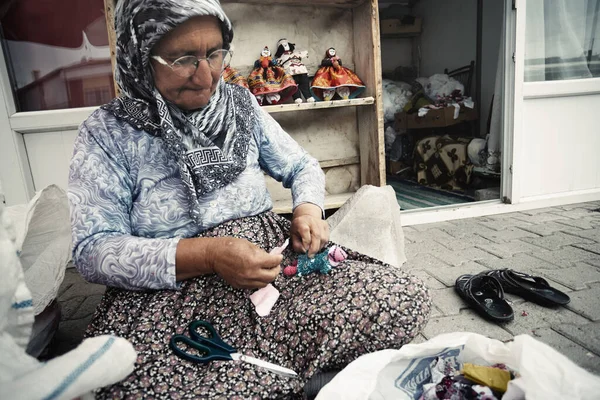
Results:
[332, 78]
[271, 80]
[319, 323]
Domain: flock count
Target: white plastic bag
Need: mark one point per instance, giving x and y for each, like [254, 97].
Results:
[43, 241]
[401, 374]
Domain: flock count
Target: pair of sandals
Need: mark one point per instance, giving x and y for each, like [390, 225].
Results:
[485, 292]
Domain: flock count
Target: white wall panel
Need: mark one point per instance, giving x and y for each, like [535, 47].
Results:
[49, 156]
[560, 144]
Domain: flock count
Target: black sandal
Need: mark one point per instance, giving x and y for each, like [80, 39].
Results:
[532, 288]
[486, 296]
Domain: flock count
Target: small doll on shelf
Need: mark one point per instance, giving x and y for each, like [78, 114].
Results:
[291, 61]
[232, 75]
[332, 78]
[269, 82]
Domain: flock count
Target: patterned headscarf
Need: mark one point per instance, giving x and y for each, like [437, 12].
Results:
[209, 145]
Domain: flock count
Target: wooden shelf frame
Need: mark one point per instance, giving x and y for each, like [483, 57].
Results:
[363, 101]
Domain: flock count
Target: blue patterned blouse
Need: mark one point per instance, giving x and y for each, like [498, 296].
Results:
[129, 207]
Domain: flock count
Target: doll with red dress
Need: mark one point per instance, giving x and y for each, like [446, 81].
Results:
[232, 75]
[269, 82]
[291, 60]
[332, 78]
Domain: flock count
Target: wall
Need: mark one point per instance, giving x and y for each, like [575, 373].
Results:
[559, 145]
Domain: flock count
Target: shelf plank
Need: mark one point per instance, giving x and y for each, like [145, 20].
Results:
[317, 3]
[331, 201]
[399, 35]
[363, 101]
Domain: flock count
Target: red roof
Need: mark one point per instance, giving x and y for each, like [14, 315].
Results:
[56, 22]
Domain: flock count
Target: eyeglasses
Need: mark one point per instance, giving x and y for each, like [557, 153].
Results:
[186, 66]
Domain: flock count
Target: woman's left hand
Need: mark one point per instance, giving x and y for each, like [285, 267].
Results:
[309, 232]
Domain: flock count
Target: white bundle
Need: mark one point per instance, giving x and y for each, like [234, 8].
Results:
[395, 97]
[442, 85]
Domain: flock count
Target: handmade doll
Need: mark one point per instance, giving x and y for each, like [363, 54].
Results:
[232, 75]
[332, 78]
[322, 262]
[269, 82]
[291, 61]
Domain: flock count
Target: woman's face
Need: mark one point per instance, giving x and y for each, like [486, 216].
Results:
[198, 36]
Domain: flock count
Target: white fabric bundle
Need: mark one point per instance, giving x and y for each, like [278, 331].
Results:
[43, 241]
[442, 85]
[95, 363]
[395, 97]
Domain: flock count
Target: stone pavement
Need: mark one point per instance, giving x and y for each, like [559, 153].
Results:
[561, 244]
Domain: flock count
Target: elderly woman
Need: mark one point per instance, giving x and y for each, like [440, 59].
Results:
[170, 210]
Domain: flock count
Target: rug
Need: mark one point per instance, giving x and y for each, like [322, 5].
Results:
[411, 195]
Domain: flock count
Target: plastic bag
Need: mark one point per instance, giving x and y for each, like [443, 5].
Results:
[43, 241]
[401, 374]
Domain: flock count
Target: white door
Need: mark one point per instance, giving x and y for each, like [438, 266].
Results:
[557, 98]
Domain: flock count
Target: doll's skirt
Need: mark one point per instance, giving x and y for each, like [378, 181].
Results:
[319, 323]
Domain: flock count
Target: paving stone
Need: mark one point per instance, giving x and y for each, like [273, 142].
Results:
[429, 280]
[435, 225]
[573, 351]
[583, 223]
[556, 240]
[82, 288]
[412, 249]
[574, 277]
[576, 213]
[466, 321]
[530, 316]
[457, 258]
[567, 256]
[466, 242]
[539, 218]
[595, 261]
[71, 277]
[548, 228]
[591, 234]
[429, 235]
[419, 339]
[499, 224]
[69, 307]
[507, 250]
[88, 307]
[508, 235]
[435, 312]
[593, 247]
[448, 275]
[591, 205]
[587, 303]
[448, 301]
[587, 335]
[537, 211]
[420, 261]
[466, 229]
[521, 262]
[68, 336]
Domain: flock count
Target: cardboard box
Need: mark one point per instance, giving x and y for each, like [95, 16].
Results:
[395, 27]
[434, 118]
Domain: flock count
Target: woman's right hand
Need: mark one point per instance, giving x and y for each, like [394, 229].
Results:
[242, 264]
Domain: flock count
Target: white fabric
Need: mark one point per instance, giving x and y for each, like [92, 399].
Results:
[43, 241]
[95, 363]
[401, 374]
[442, 85]
[395, 97]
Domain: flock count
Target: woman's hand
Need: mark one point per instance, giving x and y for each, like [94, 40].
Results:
[239, 262]
[309, 232]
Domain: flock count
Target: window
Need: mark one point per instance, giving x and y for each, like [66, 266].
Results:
[57, 53]
[562, 40]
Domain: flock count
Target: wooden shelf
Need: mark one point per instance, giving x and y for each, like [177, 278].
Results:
[363, 101]
[316, 3]
[331, 201]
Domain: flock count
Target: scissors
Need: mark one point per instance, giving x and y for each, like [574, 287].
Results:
[213, 348]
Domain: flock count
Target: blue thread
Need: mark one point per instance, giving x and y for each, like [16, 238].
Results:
[319, 263]
[23, 304]
[68, 381]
